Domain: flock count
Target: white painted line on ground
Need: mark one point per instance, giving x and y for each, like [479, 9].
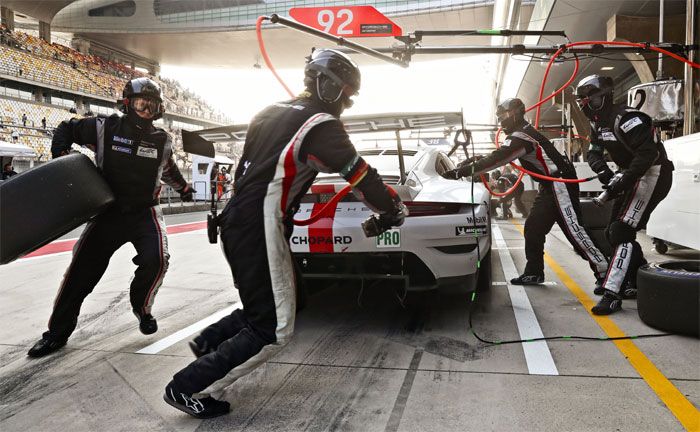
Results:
[550, 283]
[537, 355]
[508, 248]
[176, 337]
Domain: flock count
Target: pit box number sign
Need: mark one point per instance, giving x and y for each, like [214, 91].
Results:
[347, 21]
[389, 239]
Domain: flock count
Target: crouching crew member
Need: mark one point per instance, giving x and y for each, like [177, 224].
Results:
[644, 180]
[287, 144]
[133, 157]
[555, 202]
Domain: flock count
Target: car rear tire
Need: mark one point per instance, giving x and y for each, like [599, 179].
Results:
[668, 296]
[45, 202]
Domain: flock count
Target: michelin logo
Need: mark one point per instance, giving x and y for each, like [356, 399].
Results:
[462, 231]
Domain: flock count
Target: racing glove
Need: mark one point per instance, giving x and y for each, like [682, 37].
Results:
[374, 225]
[618, 184]
[606, 175]
[186, 193]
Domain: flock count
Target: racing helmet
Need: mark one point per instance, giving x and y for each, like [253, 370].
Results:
[510, 114]
[145, 93]
[332, 76]
[594, 94]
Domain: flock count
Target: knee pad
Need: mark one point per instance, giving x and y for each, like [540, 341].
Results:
[619, 232]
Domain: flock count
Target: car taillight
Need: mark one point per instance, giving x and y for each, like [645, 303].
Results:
[419, 208]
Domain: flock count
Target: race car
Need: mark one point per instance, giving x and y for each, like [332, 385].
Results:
[445, 236]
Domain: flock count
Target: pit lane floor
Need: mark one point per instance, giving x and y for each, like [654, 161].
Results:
[360, 360]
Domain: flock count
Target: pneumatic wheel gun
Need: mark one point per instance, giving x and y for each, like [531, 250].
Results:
[605, 196]
[373, 226]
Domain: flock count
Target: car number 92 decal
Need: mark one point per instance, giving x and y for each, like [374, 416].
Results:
[389, 239]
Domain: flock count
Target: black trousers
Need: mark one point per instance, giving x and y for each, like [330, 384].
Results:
[102, 237]
[257, 250]
[558, 203]
[630, 213]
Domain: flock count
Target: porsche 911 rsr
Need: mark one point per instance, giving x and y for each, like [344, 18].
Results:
[446, 232]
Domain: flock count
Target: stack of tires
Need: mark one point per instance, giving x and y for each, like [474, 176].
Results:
[668, 296]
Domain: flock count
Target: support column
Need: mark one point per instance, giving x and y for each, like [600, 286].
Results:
[692, 81]
[8, 18]
[45, 31]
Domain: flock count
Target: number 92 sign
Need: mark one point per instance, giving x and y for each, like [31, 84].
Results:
[349, 22]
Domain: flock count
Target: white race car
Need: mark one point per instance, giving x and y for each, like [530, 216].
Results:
[446, 233]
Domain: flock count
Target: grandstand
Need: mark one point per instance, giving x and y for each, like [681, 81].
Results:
[42, 80]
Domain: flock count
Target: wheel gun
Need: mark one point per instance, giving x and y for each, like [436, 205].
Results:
[604, 196]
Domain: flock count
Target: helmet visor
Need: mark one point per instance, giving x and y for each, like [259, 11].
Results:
[142, 104]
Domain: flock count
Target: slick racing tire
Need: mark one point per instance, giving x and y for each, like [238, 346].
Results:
[45, 202]
[668, 296]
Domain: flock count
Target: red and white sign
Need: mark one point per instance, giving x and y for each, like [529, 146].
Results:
[347, 21]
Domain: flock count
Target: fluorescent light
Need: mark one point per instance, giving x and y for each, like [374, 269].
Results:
[607, 68]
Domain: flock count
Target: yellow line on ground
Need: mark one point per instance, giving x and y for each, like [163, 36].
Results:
[682, 408]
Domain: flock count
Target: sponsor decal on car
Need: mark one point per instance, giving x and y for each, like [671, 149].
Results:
[462, 231]
[321, 240]
[389, 239]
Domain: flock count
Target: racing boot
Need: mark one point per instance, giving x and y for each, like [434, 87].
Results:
[147, 324]
[201, 407]
[200, 347]
[528, 279]
[46, 345]
[629, 292]
[599, 290]
[609, 303]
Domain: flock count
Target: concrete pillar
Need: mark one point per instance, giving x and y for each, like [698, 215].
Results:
[154, 69]
[45, 31]
[38, 94]
[8, 17]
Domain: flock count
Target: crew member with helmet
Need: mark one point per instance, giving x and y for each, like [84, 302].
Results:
[555, 202]
[287, 144]
[644, 180]
[133, 156]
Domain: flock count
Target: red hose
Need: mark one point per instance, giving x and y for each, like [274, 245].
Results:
[263, 51]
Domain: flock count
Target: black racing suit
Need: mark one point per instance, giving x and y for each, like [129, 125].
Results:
[287, 144]
[505, 182]
[628, 137]
[133, 162]
[555, 202]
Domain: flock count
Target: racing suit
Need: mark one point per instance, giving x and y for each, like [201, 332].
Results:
[555, 202]
[629, 139]
[287, 144]
[133, 162]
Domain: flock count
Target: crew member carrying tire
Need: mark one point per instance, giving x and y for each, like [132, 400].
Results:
[556, 202]
[133, 156]
[287, 144]
[644, 180]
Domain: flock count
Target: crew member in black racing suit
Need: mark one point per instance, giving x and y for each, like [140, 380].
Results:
[286, 145]
[645, 179]
[133, 156]
[555, 202]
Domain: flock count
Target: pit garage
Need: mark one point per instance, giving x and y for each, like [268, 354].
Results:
[416, 326]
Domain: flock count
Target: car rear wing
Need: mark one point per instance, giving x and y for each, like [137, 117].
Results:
[201, 142]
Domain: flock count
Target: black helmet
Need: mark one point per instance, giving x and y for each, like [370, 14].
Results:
[594, 94]
[332, 76]
[144, 88]
[510, 114]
